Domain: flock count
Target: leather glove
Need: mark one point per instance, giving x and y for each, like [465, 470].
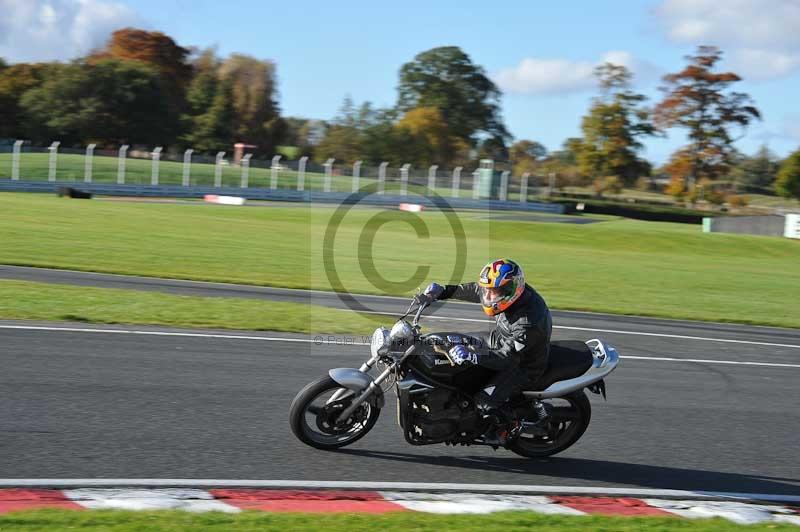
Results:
[431, 294]
[434, 290]
[460, 354]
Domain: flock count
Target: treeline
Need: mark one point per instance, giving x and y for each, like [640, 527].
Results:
[144, 89]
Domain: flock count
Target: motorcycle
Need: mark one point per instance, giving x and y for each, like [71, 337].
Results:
[435, 395]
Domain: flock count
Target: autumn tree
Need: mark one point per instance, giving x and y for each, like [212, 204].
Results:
[788, 182]
[613, 128]
[152, 48]
[428, 139]
[445, 78]
[343, 136]
[161, 53]
[525, 154]
[256, 118]
[16, 80]
[698, 99]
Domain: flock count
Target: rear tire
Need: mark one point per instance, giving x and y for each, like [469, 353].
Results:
[565, 437]
[366, 416]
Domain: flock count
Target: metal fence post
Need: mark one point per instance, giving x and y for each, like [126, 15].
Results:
[273, 172]
[154, 165]
[87, 163]
[301, 173]
[382, 176]
[432, 177]
[523, 188]
[187, 166]
[123, 152]
[404, 179]
[53, 163]
[328, 171]
[15, 159]
[475, 175]
[356, 175]
[245, 162]
[504, 185]
[218, 168]
[456, 181]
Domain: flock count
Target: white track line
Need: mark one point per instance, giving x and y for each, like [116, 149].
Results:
[324, 342]
[613, 331]
[385, 486]
[706, 361]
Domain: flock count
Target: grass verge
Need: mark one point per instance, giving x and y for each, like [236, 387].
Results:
[122, 521]
[41, 301]
[616, 266]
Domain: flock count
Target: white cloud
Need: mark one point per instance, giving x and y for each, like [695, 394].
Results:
[535, 75]
[762, 37]
[47, 30]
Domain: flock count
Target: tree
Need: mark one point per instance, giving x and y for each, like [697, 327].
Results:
[152, 48]
[613, 127]
[428, 136]
[697, 99]
[446, 79]
[16, 80]
[343, 136]
[160, 52]
[524, 155]
[257, 118]
[756, 173]
[564, 164]
[110, 102]
[788, 182]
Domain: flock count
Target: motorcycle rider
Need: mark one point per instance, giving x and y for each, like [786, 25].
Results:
[518, 347]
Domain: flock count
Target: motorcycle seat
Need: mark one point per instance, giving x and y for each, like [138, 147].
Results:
[568, 359]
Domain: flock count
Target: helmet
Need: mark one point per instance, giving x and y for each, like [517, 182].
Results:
[501, 283]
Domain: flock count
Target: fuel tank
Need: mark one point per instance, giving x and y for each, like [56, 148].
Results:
[430, 361]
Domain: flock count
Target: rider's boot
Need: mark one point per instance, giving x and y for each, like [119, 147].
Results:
[502, 427]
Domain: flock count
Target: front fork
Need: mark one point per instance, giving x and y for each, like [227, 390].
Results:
[365, 367]
[374, 385]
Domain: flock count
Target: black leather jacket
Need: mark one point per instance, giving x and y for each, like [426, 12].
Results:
[521, 335]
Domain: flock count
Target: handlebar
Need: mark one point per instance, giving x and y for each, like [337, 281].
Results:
[417, 311]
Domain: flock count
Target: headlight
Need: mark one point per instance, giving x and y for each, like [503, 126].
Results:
[379, 345]
[401, 335]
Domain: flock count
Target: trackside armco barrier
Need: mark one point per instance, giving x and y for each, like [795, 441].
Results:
[301, 196]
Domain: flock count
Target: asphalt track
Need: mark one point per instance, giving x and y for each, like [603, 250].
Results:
[692, 406]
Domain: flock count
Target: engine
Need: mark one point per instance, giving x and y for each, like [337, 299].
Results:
[428, 414]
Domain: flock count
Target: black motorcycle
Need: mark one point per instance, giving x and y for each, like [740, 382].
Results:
[435, 396]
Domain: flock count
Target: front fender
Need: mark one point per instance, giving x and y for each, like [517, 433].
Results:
[358, 381]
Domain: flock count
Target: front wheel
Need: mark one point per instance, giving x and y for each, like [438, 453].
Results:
[567, 421]
[314, 415]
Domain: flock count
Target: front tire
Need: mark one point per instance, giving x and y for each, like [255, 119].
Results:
[566, 425]
[312, 416]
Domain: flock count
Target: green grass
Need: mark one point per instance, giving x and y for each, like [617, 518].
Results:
[123, 521]
[40, 301]
[617, 266]
[70, 167]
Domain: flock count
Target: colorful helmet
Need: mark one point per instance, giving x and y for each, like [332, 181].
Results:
[501, 283]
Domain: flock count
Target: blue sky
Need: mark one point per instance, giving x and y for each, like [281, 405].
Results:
[540, 53]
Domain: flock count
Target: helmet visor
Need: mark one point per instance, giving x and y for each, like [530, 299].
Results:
[491, 296]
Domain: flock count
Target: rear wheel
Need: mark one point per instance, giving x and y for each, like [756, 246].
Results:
[314, 415]
[567, 421]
